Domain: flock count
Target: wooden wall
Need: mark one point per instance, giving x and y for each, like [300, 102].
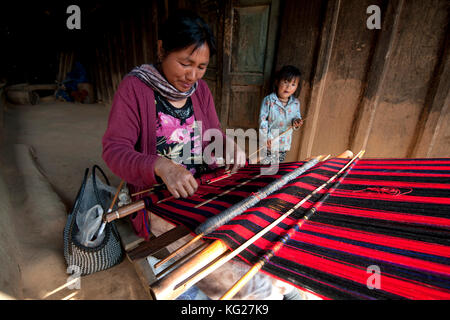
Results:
[386, 91]
[125, 36]
[122, 37]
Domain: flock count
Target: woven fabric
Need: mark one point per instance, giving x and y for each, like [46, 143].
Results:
[182, 211]
[382, 233]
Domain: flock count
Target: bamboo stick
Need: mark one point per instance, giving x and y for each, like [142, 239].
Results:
[147, 190]
[227, 191]
[113, 202]
[265, 146]
[164, 286]
[183, 259]
[125, 211]
[179, 250]
[116, 195]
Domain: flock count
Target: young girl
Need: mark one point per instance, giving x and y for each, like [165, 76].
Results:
[279, 111]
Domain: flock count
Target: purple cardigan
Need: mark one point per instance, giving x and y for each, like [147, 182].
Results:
[129, 143]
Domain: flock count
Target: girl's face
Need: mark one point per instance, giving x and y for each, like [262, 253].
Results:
[184, 67]
[287, 88]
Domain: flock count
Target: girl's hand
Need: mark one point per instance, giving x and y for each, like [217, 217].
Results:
[269, 144]
[297, 123]
[179, 181]
[235, 154]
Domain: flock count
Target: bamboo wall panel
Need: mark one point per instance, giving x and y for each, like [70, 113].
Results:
[128, 39]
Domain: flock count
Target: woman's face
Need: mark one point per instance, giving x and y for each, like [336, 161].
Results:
[184, 67]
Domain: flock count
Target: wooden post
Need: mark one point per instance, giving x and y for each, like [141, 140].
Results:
[320, 78]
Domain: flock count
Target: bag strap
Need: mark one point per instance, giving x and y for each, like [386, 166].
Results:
[75, 207]
[94, 183]
[80, 193]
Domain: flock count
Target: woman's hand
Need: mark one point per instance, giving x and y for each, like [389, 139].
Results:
[179, 181]
[239, 159]
[235, 154]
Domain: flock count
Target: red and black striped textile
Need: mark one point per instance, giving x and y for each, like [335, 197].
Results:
[382, 233]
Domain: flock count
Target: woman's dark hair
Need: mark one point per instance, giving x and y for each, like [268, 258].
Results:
[183, 29]
[287, 73]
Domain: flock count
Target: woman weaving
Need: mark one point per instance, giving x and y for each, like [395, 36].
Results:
[153, 117]
[154, 111]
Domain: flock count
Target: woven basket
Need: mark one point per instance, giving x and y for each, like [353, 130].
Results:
[86, 260]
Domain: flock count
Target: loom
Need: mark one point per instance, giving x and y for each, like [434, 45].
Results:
[381, 217]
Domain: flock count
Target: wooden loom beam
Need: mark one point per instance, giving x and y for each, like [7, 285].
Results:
[154, 245]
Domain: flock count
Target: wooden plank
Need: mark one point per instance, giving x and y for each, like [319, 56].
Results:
[60, 66]
[320, 78]
[406, 89]
[134, 37]
[226, 61]
[145, 36]
[129, 239]
[100, 90]
[118, 53]
[107, 69]
[380, 66]
[141, 265]
[303, 38]
[112, 65]
[211, 11]
[350, 58]
[124, 46]
[154, 245]
[145, 274]
[436, 108]
[271, 41]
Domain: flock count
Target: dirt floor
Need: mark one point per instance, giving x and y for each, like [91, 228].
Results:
[45, 149]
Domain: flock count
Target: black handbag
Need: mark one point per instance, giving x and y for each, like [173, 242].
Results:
[81, 259]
